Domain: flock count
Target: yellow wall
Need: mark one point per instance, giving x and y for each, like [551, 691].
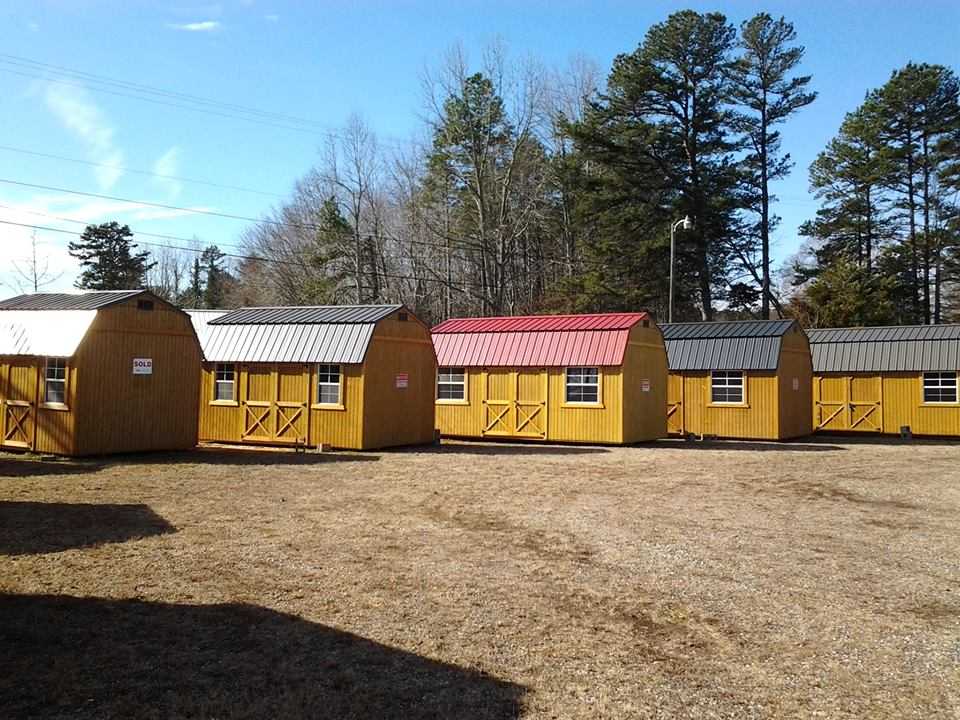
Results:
[897, 398]
[374, 412]
[757, 418]
[225, 421]
[118, 411]
[624, 414]
[796, 385]
[42, 428]
[395, 415]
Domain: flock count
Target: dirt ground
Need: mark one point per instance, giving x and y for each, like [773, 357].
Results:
[728, 580]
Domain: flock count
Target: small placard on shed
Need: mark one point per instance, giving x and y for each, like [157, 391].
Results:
[143, 366]
[403, 380]
[796, 383]
[645, 385]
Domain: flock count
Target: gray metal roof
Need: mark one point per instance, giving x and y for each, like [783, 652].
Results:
[68, 301]
[913, 348]
[306, 315]
[737, 345]
[728, 329]
[345, 342]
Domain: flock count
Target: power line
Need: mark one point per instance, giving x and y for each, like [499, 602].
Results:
[237, 256]
[134, 171]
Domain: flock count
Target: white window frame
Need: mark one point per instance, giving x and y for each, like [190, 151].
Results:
[725, 376]
[939, 385]
[218, 382]
[450, 372]
[327, 370]
[594, 385]
[58, 364]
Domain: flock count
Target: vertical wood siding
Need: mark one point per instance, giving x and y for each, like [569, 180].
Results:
[118, 411]
[796, 386]
[757, 420]
[395, 416]
[645, 412]
[880, 403]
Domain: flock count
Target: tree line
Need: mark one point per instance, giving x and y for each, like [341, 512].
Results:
[535, 189]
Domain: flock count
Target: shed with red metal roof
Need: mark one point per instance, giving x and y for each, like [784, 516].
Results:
[597, 378]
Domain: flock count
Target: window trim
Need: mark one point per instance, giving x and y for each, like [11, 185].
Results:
[465, 385]
[741, 403]
[233, 401]
[316, 404]
[940, 403]
[598, 403]
[65, 381]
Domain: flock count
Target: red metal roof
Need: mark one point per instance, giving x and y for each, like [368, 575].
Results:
[535, 341]
[524, 323]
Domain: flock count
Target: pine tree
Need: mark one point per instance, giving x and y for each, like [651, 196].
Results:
[107, 255]
[763, 87]
[216, 277]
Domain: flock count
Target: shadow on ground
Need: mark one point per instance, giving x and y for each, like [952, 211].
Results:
[31, 466]
[494, 447]
[751, 446]
[29, 528]
[219, 455]
[93, 657]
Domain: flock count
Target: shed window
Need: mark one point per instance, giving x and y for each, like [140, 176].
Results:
[939, 387]
[726, 387]
[223, 387]
[451, 383]
[55, 381]
[583, 385]
[328, 384]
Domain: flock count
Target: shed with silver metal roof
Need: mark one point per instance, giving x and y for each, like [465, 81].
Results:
[350, 376]
[97, 372]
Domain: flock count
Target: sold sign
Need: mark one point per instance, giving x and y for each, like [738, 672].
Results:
[143, 366]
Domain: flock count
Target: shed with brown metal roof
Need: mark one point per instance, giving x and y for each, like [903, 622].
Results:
[597, 378]
[745, 379]
[347, 376]
[97, 372]
[887, 379]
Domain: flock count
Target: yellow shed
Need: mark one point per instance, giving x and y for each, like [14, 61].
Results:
[745, 379]
[569, 378]
[887, 379]
[97, 372]
[356, 377]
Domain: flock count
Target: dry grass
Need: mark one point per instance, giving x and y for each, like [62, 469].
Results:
[477, 581]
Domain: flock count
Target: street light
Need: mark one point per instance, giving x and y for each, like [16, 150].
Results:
[687, 223]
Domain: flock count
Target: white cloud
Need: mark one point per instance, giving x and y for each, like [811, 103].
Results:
[77, 112]
[271, 18]
[167, 165]
[202, 26]
[33, 27]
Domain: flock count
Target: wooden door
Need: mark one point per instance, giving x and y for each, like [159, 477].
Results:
[530, 406]
[19, 404]
[293, 395]
[258, 398]
[675, 405]
[498, 403]
[848, 402]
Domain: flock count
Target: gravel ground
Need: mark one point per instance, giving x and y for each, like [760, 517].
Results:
[674, 580]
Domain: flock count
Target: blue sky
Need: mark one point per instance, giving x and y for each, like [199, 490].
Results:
[324, 61]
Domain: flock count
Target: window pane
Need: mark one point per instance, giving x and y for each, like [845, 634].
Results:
[328, 394]
[56, 391]
[726, 386]
[223, 390]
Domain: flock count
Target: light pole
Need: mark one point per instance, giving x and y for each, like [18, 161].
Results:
[687, 223]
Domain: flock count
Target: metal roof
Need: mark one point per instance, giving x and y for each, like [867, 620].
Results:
[913, 348]
[56, 333]
[736, 345]
[306, 315]
[68, 301]
[542, 323]
[728, 329]
[568, 348]
[291, 342]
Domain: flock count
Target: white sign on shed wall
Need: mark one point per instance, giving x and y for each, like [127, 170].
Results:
[143, 366]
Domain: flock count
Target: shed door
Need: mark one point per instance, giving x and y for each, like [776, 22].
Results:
[530, 410]
[258, 414]
[293, 394]
[498, 403]
[19, 404]
[848, 402]
[675, 409]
